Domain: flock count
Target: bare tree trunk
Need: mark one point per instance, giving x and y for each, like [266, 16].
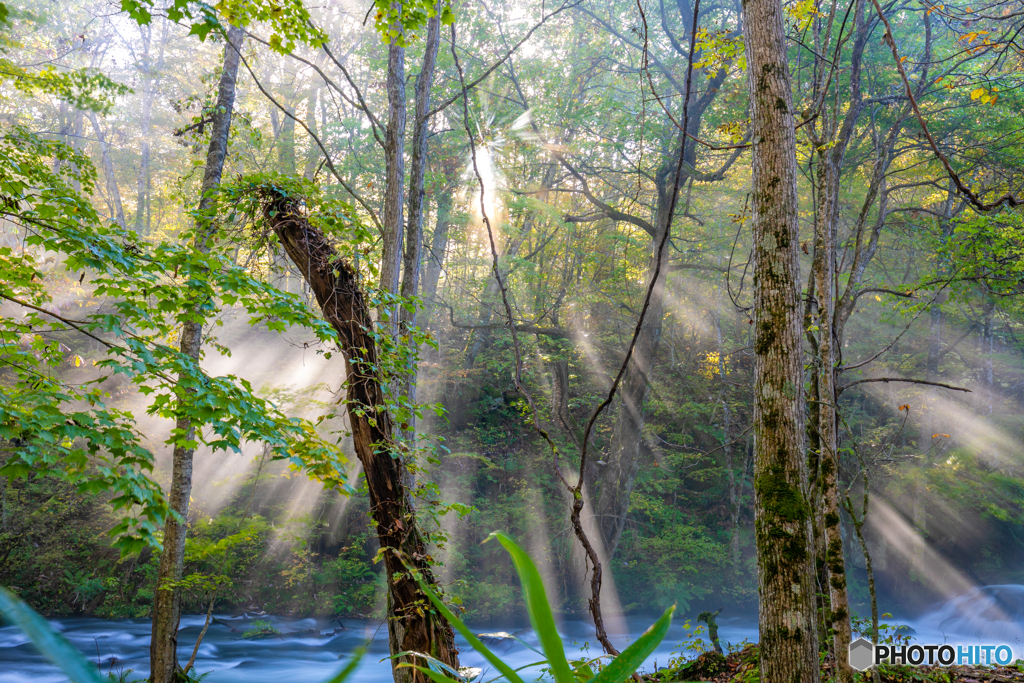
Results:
[785, 554]
[143, 210]
[410, 627]
[735, 483]
[286, 138]
[394, 189]
[108, 173]
[163, 649]
[76, 143]
[988, 348]
[414, 228]
[314, 155]
[434, 258]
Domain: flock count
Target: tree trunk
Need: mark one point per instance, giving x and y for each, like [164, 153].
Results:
[286, 140]
[786, 585]
[434, 261]
[337, 290]
[735, 483]
[828, 523]
[988, 349]
[414, 228]
[394, 189]
[313, 155]
[117, 211]
[143, 212]
[163, 649]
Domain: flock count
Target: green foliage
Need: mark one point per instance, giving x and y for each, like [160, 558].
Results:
[151, 289]
[539, 608]
[288, 20]
[398, 20]
[260, 628]
[87, 89]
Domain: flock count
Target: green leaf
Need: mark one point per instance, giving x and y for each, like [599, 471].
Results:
[539, 609]
[470, 637]
[50, 643]
[433, 675]
[623, 666]
[349, 668]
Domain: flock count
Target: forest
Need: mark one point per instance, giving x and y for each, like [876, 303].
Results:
[327, 329]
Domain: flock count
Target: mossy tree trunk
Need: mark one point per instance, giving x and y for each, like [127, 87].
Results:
[788, 636]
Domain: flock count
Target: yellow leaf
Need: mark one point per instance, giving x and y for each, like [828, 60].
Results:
[993, 99]
[877, 298]
[975, 94]
[78, 361]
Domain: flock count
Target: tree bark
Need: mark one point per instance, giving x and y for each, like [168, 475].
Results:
[163, 649]
[313, 155]
[434, 261]
[414, 228]
[828, 523]
[394, 189]
[117, 210]
[143, 212]
[831, 146]
[335, 285]
[782, 524]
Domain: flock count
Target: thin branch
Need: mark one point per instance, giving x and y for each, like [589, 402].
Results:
[316, 139]
[975, 201]
[511, 51]
[886, 380]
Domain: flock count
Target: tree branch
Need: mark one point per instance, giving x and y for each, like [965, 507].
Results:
[886, 380]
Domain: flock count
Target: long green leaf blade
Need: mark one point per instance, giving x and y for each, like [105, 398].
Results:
[50, 643]
[474, 642]
[623, 666]
[433, 675]
[350, 667]
[539, 609]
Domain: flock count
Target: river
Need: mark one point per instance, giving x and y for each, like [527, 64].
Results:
[993, 614]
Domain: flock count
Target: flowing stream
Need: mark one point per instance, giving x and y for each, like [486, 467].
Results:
[311, 650]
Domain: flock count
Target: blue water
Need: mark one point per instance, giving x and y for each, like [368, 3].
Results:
[988, 615]
[124, 644]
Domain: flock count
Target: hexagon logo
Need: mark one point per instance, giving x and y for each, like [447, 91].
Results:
[862, 654]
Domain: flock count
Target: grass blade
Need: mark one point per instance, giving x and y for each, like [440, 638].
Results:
[433, 675]
[50, 643]
[474, 642]
[623, 666]
[350, 667]
[539, 609]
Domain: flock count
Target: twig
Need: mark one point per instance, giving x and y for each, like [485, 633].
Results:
[978, 204]
[316, 139]
[511, 51]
